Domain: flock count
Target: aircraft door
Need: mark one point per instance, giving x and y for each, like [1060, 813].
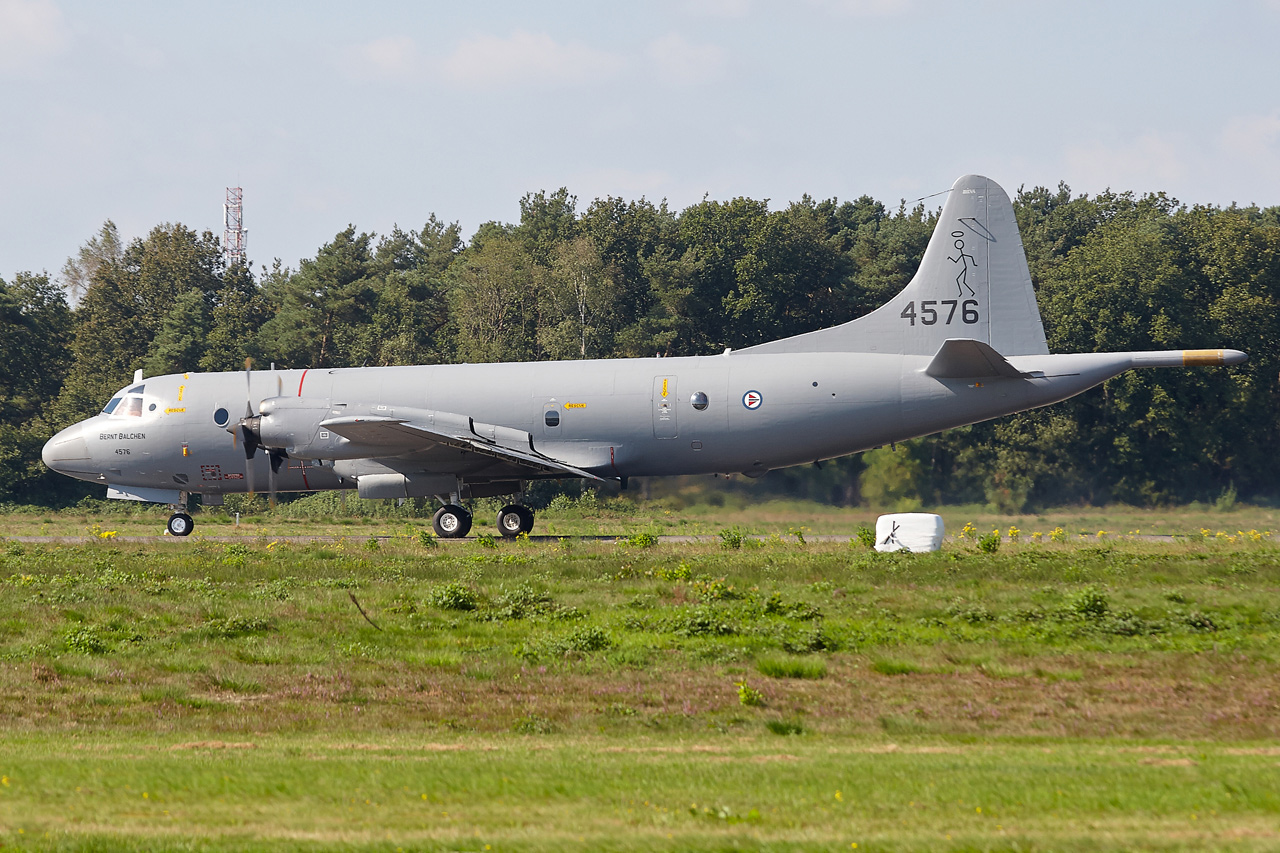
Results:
[664, 407]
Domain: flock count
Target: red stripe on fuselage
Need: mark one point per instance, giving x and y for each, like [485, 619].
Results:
[302, 379]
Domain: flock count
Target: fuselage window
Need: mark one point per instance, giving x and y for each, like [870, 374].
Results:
[551, 418]
[111, 407]
[699, 400]
[221, 416]
[132, 407]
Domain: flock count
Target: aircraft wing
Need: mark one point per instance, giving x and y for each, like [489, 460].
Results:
[398, 436]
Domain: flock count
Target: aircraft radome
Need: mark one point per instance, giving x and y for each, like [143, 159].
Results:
[962, 343]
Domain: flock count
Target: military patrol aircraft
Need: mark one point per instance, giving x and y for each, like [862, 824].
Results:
[962, 343]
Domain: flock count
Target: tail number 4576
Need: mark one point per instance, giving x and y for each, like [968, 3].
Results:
[930, 314]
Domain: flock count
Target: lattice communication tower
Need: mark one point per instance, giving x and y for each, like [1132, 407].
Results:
[234, 238]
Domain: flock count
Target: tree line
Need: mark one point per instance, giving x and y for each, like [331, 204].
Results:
[620, 278]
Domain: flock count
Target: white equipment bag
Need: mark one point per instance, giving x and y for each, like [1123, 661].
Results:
[916, 532]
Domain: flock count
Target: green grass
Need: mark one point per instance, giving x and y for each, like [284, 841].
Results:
[791, 667]
[544, 793]
[682, 512]
[578, 694]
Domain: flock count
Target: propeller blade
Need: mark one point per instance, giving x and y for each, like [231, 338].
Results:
[276, 456]
[251, 443]
[248, 389]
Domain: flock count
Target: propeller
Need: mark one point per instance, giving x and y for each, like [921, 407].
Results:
[249, 430]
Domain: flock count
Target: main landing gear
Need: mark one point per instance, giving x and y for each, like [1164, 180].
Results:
[453, 522]
[514, 520]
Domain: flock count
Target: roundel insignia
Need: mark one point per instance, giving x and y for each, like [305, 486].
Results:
[752, 399]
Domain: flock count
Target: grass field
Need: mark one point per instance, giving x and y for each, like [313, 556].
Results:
[333, 515]
[386, 691]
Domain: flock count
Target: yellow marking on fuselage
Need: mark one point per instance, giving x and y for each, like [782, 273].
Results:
[181, 390]
[664, 387]
[174, 411]
[575, 405]
[1201, 357]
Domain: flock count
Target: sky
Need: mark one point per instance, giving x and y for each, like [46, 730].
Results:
[382, 113]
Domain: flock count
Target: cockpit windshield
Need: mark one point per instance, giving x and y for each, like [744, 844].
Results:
[126, 405]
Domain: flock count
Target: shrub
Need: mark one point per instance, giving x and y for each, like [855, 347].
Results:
[973, 612]
[1126, 623]
[1197, 620]
[1090, 603]
[715, 590]
[533, 724]
[866, 537]
[731, 538]
[681, 572]
[990, 543]
[85, 640]
[806, 642]
[236, 626]
[701, 622]
[520, 603]
[748, 695]
[453, 596]
[588, 638]
[643, 539]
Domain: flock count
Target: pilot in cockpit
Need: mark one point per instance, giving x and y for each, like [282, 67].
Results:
[128, 405]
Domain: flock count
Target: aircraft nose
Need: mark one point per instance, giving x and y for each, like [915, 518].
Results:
[68, 452]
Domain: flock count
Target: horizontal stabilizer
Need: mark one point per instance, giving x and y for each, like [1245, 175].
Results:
[965, 359]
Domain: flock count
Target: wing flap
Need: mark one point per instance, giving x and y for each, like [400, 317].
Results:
[399, 436]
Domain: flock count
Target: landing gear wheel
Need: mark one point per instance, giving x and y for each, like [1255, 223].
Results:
[451, 522]
[180, 524]
[514, 520]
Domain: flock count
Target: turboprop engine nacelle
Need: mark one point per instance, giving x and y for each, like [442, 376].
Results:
[292, 424]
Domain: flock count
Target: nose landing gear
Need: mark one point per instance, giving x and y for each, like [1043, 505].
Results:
[180, 524]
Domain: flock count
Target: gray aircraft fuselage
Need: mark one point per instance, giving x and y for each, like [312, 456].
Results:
[611, 416]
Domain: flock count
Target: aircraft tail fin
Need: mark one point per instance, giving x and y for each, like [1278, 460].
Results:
[973, 283]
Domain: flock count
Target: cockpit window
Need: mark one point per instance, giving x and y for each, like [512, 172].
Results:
[129, 405]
